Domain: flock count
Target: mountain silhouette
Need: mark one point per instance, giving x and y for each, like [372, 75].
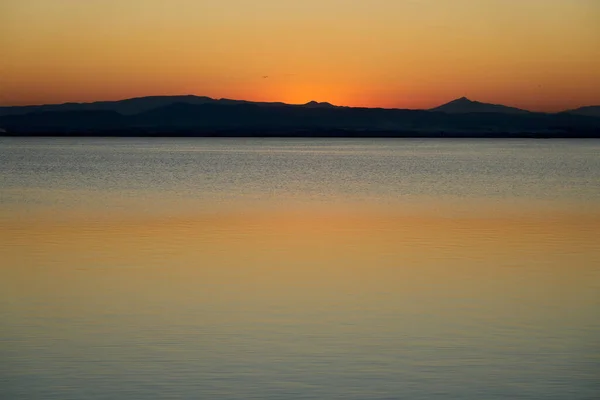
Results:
[319, 104]
[464, 105]
[203, 116]
[126, 107]
[590, 111]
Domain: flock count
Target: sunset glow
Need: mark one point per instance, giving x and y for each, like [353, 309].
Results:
[535, 54]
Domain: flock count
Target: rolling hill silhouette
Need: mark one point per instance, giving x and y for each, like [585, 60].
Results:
[203, 116]
[126, 107]
[590, 111]
[464, 105]
[319, 104]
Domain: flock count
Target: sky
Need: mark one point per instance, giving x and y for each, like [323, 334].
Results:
[536, 54]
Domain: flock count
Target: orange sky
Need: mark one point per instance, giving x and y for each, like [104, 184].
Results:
[536, 54]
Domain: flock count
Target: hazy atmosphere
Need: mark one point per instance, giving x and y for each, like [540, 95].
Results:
[541, 55]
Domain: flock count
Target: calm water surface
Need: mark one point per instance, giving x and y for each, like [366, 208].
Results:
[299, 269]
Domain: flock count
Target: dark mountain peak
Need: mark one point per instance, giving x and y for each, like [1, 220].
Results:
[323, 104]
[463, 101]
[465, 105]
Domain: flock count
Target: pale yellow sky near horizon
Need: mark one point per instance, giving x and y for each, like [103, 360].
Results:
[535, 54]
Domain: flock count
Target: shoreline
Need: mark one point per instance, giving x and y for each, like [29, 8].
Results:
[258, 133]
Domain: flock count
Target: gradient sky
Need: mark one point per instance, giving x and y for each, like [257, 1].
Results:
[536, 54]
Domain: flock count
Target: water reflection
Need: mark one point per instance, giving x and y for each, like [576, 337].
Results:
[285, 301]
[273, 298]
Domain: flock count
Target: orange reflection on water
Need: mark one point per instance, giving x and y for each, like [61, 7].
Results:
[319, 270]
[303, 246]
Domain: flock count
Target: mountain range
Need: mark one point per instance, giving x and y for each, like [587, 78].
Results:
[204, 116]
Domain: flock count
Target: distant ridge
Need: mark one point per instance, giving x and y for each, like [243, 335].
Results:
[590, 111]
[465, 105]
[204, 116]
[138, 105]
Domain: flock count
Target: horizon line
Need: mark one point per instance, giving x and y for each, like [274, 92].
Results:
[290, 104]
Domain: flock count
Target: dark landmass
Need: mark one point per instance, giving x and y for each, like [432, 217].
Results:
[590, 111]
[131, 106]
[464, 106]
[195, 116]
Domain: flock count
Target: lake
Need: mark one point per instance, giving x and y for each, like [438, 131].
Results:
[299, 269]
